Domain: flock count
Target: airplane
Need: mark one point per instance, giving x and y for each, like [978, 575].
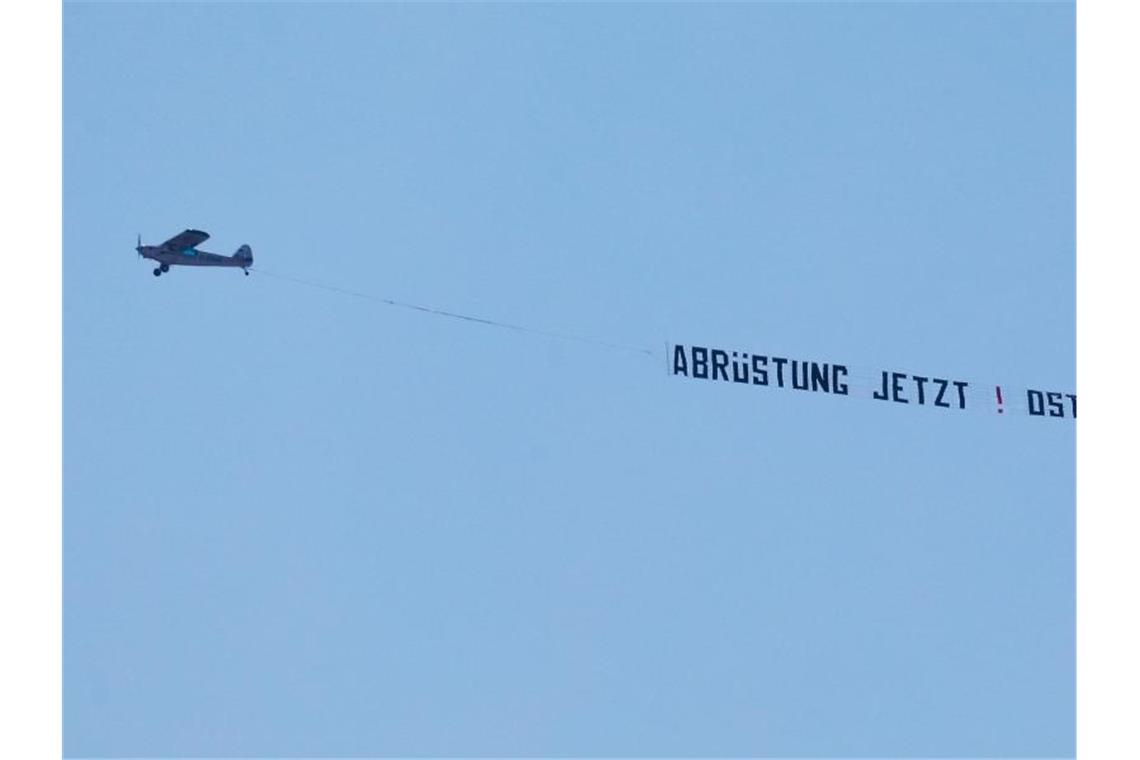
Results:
[181, 250]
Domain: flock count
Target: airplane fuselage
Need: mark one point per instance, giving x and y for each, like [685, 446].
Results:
[190, 257]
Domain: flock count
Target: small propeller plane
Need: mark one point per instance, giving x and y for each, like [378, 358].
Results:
[181, 250]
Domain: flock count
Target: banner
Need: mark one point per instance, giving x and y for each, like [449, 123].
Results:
[954, 394]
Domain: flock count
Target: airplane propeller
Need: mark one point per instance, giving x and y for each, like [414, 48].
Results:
[138, 248]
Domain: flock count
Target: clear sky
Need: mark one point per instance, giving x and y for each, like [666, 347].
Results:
[302, 523]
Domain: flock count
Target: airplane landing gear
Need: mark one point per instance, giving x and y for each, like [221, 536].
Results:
[246, 271]
[164, 267]
[157, 271]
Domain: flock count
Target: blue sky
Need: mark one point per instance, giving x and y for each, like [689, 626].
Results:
[298, 523]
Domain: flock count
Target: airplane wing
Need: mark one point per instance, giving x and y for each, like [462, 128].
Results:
[186, 239]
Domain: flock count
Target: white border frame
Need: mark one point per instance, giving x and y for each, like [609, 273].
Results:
[1108, 210]
[31, 380]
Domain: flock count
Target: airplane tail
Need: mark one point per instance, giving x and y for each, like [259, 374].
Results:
[244, 254]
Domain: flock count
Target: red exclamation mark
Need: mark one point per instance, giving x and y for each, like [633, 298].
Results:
[1001, 409]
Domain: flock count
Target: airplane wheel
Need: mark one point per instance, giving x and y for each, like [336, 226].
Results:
[165, 267]
[246, 272]
[157, 271]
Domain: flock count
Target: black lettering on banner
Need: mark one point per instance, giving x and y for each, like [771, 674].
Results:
[920, 381]
[876, 394]
[680, 366]
[739, 368]
[836, 371]
[961, 386]
[759, 374]
[1056, 408]
[700, 363]
[820, 378]
[719, 364]
[799, 379]
[704, 363]
[779, 362]
[1050, 403]
[942, 384]
[896, 387]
